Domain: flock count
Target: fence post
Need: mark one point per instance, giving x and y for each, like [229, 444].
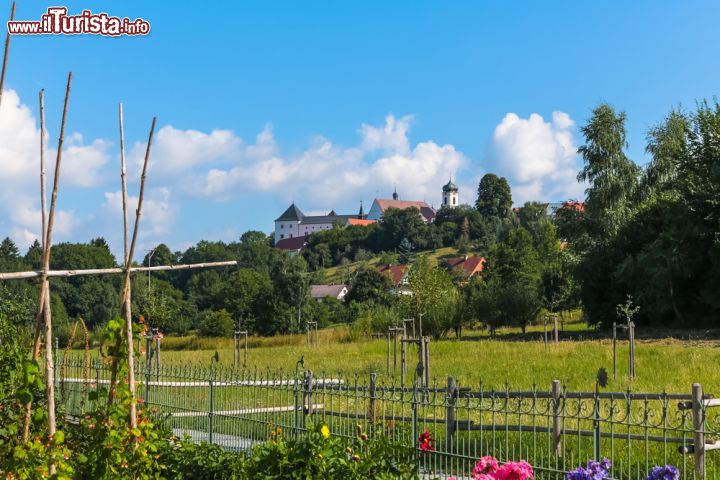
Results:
[426, 360]
[148, 368]
[296, 404]
[211, 404]
[307, 395]
[97, 381]
[402, 361]
[373, 396]
[450, 425]
[698, 415]
[557, 418]
[414, 414]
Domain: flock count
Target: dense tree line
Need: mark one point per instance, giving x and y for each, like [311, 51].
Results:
[652, 232]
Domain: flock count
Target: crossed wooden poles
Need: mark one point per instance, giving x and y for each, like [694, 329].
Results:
[43, 318]
[399, 335]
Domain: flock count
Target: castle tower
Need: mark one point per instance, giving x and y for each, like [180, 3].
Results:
[450, 196]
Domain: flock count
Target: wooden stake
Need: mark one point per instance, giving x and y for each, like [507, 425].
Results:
[44, 315]
[124, 185]
[126, 302]
[42, 165]
[5, 55]
[101, 271]
[127, 290]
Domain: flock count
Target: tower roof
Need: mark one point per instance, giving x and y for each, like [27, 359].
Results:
[450, 187]
[292, 213]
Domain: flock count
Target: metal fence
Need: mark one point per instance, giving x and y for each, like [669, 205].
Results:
[554, 429]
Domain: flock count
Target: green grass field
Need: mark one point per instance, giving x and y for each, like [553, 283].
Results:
[522, 360]
[663, 364]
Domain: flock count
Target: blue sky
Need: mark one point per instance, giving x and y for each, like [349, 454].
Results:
[328, 103]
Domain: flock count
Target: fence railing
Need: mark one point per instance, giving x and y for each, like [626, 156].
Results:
[554, 429]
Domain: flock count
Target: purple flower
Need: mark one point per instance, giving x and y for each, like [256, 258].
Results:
[593, 471]
[668, 472]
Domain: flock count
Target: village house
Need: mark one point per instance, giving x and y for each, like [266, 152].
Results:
[466, 265]
[321, 292]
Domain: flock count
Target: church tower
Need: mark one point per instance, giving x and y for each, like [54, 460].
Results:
[450, 196]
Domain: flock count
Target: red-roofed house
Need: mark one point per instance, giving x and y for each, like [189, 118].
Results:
[292, 245]
[574, 205]
[470, 265]
[381, 205]
[398, 274]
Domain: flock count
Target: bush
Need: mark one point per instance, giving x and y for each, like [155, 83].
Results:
[216, 324]
[318, 455]
[190, 461]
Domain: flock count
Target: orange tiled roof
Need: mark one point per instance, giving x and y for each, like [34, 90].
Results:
[394, 272]
[363, 222]
[470, 264]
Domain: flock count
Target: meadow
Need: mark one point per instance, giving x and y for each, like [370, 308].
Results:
[663, 361]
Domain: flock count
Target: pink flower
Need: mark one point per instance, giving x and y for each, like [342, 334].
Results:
[485, 465]
[515, 471]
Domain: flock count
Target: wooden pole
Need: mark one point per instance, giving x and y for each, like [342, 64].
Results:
[123, 182]
[7, 52]
[102, 271]
[42, 165]
[126, 300]
[44, 314]
[632, 349]
[614, 351]
[49, 363]
[127, 292]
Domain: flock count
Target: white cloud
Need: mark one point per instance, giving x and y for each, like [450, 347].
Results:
[392, 137]
[325, 174]
[20, 171]
[538, 157]
[175, 152]
[158, 212]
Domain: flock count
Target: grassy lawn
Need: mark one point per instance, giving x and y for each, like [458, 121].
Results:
[663, 364]
[339, 274]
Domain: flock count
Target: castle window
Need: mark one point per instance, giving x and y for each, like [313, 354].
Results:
[454, 201]
[282, 235]
[282, 226]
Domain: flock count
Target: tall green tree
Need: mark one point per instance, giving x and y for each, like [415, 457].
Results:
[667, 143]
[494, 197]
[612, 178]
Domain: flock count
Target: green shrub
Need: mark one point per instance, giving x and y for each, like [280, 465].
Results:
[319, 455]
[190, 461]
[216, 324]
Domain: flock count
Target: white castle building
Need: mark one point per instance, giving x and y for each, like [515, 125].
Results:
[293, 225]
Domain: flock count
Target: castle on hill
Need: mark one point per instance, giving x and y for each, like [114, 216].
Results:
[293, 225]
